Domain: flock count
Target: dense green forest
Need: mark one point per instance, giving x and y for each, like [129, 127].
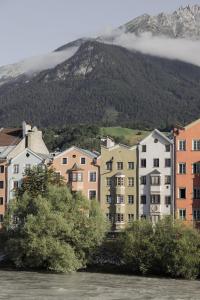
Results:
[89, 136]
[106, 85]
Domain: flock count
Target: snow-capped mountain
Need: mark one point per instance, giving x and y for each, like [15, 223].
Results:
[182, 23]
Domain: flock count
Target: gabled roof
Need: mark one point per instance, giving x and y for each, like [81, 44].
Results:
[192, 124]
[83, 151]
[30, 152]
[155, 172]
[156, 131]
[118, 146]
[76, 167]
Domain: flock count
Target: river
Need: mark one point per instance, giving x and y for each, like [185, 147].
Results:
[86, 286]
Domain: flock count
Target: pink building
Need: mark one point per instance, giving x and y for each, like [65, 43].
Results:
[80, 168]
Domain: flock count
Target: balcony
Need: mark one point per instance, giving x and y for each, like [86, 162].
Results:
[76, 186]
[155, 188]
[120, 189]
[120, 208]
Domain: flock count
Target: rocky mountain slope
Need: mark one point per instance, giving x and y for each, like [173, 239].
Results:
[106, 84]
[182, 23]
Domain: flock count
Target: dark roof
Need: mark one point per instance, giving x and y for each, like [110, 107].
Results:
[10, 136]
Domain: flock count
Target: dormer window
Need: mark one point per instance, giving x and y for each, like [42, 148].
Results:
[83, 160]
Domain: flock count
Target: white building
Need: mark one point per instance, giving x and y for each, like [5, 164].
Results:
[155, 186]
[17, 166]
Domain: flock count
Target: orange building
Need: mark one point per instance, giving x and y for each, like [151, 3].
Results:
[80, 168]
[187, 172]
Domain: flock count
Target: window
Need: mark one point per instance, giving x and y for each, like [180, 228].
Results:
[182, 168]
[156, 162]
[92, 194]
[167, 162]
[143, 217]
[155, 180]
[155, 199]
[120, 199]
[130, 199]
[196, 145]
[196, 215]
[109, 165]
[119, 165]
[143, 199]
[57, 176]
[167, 200]
[119, 218]
[130, 181]
[15, 184]
[182, 214]
[108, 199]
[1, 218]
[1, 169]
[1, 184]
[130, 165]
[64, 160]
[182, 145]
[196, 168]
[83, 160]
[167, 148]
[143, 180]
[108, 181]
[143, 163]
[182, 193]
[167, 179]
[109, 217]
[76, 177]
[27, 167]
[196, 193]
[93, 176]
[120, 181]
[144, 148]
[16, 169]
[130, 217]
[1, 200]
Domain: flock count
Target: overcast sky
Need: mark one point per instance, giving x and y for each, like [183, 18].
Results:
[33, 27]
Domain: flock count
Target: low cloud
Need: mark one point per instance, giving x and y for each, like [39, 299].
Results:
[180, 49]
[37, 63]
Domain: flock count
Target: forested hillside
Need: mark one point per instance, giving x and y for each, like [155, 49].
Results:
[106, 85]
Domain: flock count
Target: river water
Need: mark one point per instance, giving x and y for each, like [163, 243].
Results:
[86, 286]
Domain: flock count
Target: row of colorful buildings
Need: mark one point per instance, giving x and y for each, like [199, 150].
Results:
[159, 176]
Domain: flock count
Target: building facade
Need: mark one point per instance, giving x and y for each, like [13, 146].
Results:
[187, 173]
[80, 169]
[155, 174]
[118, 172]
[17, 166]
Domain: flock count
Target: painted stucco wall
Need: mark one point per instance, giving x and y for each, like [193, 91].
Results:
[155, 148]
[118, 153]
[26, 157]
[74, 156]
[188, 180]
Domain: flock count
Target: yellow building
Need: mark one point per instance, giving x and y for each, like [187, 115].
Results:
[118, 183]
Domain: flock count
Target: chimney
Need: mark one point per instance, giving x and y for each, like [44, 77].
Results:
[108, 142]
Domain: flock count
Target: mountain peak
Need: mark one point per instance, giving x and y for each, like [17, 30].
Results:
[182, 23]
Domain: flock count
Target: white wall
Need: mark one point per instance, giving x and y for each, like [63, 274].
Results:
[155, 150]
[21, 159]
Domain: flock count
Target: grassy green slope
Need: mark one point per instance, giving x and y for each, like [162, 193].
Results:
[124, 135]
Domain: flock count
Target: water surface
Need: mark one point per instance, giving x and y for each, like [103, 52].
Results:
[86, 286]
